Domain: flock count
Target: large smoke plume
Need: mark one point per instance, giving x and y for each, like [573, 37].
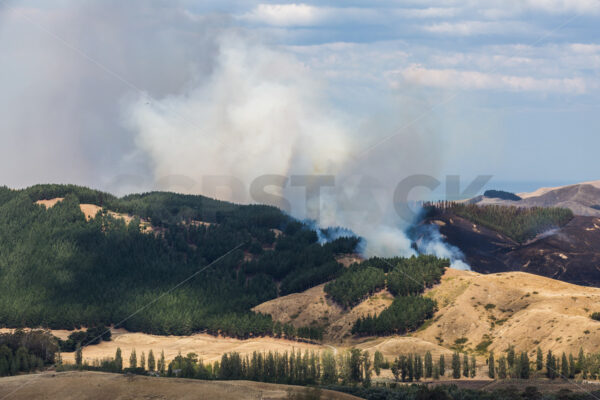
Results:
[159, 96]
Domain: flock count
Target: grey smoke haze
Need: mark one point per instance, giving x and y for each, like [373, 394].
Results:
[172, 93]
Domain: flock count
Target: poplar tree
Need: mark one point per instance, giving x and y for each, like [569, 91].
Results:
[133, 359]
[456, 365]
[502, 373]
[118, 360]
[143, 361]
[78, 355]
[465, 365]
[550, 365]
[571, 366]
[161, 363]
[524, 366]
[491, 366]
[580, 361]
[151, 361]
[473, 366]
[428, 365]
[564, 368]
[418, 369]
[378, 361]
[539, 361]
[442, 365]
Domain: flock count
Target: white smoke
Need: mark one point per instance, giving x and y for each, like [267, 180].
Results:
[429, 240]
[155, 94]
[261, 111]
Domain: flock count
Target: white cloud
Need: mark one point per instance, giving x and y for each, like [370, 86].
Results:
[475, 80]
[467, 28]
[565, 6]
[431, 12]
[285, 14]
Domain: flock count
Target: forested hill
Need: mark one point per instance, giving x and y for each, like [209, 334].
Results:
[59, 269]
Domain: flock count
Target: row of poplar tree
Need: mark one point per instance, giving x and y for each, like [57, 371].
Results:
[553, 366]
[349, 367]
[413, 367]
[294, 367]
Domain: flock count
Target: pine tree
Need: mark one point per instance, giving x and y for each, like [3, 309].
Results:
[78, 356]
[539, 361]
[473, 366]
[14, 366]
[491, 366]
[151, 361]
[456, 365]
[428, 365]
[4, 367]
[442, 365]
[465, 365]
[118, 360]
[133, 359]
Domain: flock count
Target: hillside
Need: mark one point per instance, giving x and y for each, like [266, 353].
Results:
[98, 385]
[570, 253]
[513, 308]
[491, 311]
[583, 198]
[314, 308]
[73, 256]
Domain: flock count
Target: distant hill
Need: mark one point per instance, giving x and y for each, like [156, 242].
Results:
[71, 256]
[583, 198]
[531, 234]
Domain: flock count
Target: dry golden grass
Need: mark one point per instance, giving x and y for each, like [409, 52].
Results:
[91, 210]
[513, 308]
[208, 348]
[313, 307]
[100, 386]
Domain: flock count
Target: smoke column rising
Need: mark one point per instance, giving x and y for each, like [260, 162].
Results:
[198, 96]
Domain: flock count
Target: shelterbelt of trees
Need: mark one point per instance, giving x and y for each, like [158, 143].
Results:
[61, 271]
[518, 223]
[405, 278]
[354, 371]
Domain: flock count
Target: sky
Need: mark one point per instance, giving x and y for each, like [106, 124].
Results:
[129, 96]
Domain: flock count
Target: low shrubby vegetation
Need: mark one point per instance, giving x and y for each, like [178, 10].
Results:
[518, 223]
